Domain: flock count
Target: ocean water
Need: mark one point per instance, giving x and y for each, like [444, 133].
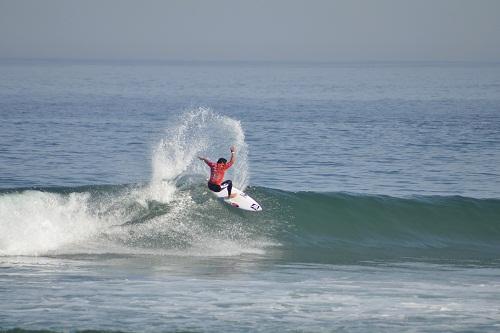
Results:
[380, 184]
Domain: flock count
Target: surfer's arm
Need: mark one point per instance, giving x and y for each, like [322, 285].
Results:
[205, 160]
[233, 158]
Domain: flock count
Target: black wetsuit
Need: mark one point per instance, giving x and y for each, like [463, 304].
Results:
[225, 184]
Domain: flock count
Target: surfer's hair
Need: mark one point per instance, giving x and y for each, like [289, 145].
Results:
[221, 160]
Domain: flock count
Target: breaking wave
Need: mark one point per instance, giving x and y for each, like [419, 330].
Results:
[156, 217]
[174, 214]
[304, 226]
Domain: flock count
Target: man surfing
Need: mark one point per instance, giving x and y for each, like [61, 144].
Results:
[217, 171]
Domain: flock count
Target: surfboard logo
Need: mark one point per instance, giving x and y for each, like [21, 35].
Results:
[255, 206]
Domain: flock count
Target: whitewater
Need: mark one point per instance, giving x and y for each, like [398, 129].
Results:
[100, 219]
[381, 198]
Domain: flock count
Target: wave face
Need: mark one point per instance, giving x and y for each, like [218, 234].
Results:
[338, 226]
[304, 226]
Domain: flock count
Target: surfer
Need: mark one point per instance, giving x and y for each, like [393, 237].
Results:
[217, 171]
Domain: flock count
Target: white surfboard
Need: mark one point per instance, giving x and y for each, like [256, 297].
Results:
[241, 201]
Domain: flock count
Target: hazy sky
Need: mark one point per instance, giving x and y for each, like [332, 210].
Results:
[252, 30]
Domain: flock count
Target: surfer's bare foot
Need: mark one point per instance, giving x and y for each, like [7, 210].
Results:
[233, 195]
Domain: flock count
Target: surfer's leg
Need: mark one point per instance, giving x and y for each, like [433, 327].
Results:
[214, 187]
[229, 185]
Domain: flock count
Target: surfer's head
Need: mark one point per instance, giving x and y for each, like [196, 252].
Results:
[221, 160]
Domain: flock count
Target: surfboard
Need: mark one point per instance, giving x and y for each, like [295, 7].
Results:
[241, 201]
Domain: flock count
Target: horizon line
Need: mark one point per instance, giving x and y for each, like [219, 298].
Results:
[242, 61]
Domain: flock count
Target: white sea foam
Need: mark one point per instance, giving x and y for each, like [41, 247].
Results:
[36, 222]
[197, 132]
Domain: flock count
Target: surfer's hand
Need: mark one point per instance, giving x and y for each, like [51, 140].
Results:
[232, 149]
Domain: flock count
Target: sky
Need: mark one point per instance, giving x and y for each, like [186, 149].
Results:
[272, 30]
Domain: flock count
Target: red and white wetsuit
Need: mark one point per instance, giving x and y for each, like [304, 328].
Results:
[217, 171]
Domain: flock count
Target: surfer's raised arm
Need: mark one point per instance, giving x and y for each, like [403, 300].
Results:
[233, 157]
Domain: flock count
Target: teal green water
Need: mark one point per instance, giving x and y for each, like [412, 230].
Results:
[305, 226]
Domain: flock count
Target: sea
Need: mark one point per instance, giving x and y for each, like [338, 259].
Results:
[379, 182]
